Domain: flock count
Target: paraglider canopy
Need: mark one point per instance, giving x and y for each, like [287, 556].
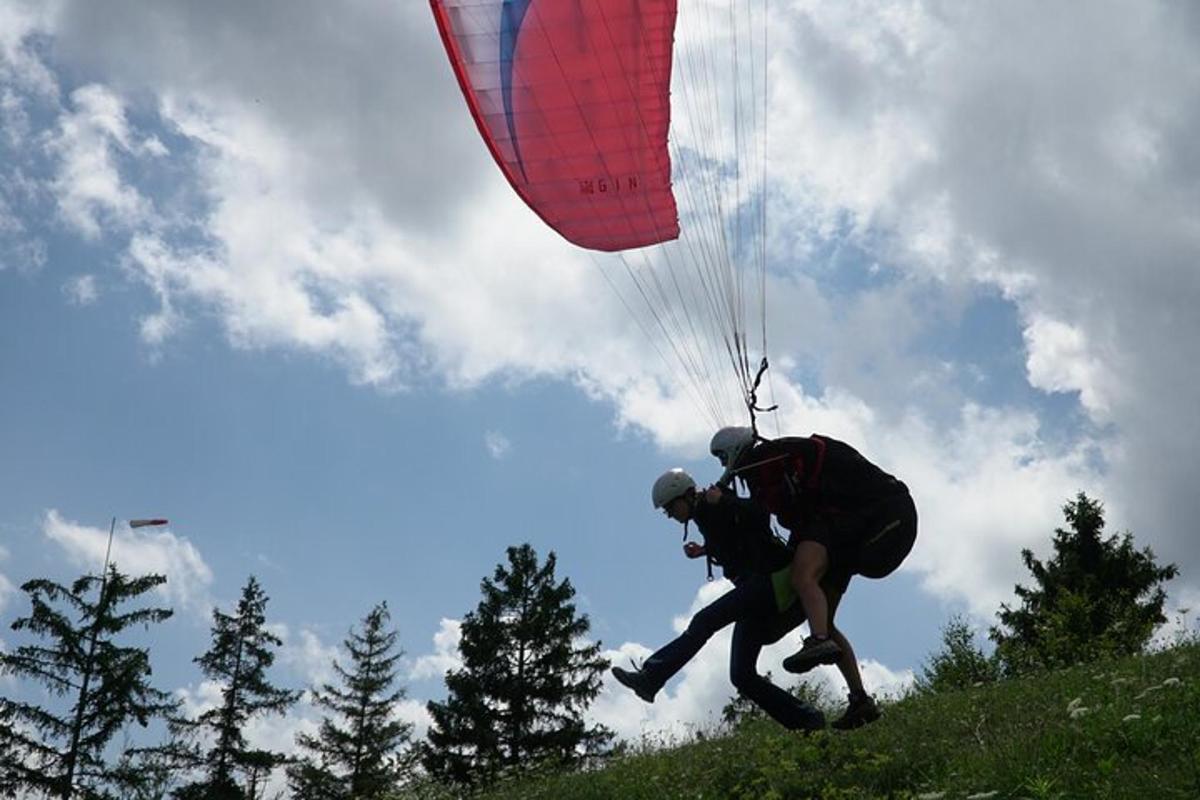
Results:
[625, 124]
[573, 100]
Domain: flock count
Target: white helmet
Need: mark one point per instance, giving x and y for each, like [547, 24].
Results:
[671, 485]
[729, 443]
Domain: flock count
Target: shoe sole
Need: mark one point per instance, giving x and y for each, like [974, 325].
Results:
[798, 666]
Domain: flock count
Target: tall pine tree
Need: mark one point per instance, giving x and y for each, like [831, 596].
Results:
[1095, 597]
[63, 754]
[241, 652]
[361, 751]
[525, 682]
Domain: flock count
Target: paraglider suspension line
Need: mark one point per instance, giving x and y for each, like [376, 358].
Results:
[752, 400]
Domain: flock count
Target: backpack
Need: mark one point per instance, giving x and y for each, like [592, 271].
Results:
[796, 477]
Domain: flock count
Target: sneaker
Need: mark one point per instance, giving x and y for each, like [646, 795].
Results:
[637, 680]
[815, 651]
[861, 710]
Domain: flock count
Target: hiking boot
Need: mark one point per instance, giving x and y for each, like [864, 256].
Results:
[815, 651]
[861, 710]
[638, 681]
[812, 722]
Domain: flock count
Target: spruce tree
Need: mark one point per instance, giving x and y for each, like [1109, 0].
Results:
[12, 760]
[525, 682]
[361, 750]
[241, 652]
[1095, 597]
[59, 753]
[959, 664]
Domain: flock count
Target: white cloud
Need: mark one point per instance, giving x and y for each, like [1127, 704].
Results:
[307, 656]
[19, 248]
[985, 488]
[283, 290]
[81, 290]
[883, 681]
[92, 195]
[445, 656]
[9, 224]
[196, 701]
[497, 444]
[23, 254]
[1059, 361]
[19, 64]
[415, 713]
[137, 552]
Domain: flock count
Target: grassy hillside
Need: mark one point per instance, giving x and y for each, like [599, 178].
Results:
[1120, 729]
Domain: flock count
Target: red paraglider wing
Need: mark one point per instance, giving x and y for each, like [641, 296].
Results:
[573, 100]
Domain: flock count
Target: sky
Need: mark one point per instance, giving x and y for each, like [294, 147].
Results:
[259, 276]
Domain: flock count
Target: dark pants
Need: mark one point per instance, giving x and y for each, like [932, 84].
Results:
[751, 605]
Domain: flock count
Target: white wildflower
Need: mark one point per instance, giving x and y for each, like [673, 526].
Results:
[931, 796]
[1147, 691]
[1078, 712]
[1172, 682]
[1131, 717]
[983, 795]
[1074, 704]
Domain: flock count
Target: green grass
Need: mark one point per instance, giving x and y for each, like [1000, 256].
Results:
[1015, 739]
